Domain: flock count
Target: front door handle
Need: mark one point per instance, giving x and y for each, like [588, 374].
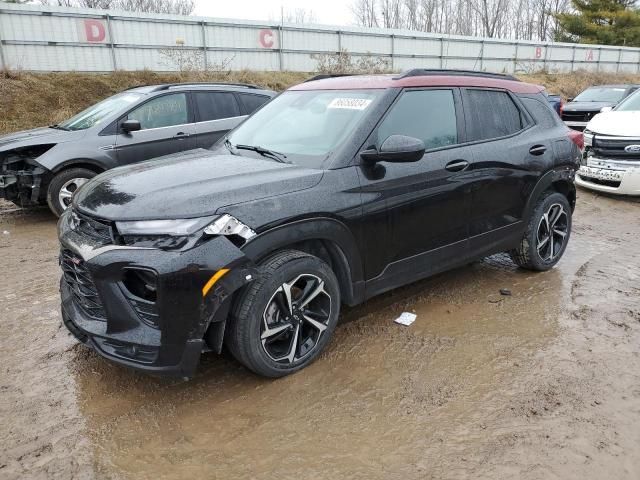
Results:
[457, 165]
[537, 150]
[181, 135]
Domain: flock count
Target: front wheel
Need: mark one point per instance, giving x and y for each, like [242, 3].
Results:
[547, 234]
[283, 320]
[63, 185]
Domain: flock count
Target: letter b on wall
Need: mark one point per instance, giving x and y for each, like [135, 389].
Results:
[93, 31]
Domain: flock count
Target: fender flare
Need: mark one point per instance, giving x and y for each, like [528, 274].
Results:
[333, 231]
[563, 174]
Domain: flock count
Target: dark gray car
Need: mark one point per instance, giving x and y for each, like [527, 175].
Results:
[49, 164]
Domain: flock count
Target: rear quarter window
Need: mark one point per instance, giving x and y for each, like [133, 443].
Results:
[541, 112]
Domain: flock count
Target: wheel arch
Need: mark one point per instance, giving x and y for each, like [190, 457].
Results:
[87, 163]
[559, 180]
[326, 238]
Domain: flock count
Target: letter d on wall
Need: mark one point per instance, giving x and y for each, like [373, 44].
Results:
[94, 31]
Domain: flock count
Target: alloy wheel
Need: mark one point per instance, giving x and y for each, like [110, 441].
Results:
[295, 318]
[66, 192]
[552, 232]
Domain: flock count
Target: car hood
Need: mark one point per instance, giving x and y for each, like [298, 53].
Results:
[624, 124]
[190, 184]
[37, 136]
[586, 106]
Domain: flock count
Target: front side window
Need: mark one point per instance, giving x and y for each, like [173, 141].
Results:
[491, 114]
[306, 125]
[216, 105]
[97, 113]
[164, 111]
[429, 115]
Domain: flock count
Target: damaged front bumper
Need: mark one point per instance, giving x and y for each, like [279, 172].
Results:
[25, 187]
[103, 306]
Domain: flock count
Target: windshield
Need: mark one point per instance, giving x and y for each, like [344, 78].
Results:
[306, 126]
[631, 103]
[98, 112]
[601, 94]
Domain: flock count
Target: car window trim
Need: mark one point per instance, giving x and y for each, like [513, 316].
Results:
[530, 120]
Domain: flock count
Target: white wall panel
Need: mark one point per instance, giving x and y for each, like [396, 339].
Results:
[64, 38]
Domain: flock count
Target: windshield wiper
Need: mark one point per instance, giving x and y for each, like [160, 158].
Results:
[58, 127]
[265, 152]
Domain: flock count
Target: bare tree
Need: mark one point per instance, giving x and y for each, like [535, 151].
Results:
[518, 19]
[176, 7]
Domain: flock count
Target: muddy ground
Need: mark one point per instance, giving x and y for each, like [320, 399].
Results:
[541, 384]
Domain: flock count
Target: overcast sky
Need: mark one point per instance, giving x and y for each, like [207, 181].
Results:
[332, 12]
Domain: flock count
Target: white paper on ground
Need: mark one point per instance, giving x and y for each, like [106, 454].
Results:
[406, 318]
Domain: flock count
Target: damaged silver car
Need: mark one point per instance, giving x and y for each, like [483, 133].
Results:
[47, 165]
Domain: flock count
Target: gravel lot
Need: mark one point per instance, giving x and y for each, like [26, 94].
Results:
[544, 383]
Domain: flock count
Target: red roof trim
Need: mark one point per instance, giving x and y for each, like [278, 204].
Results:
[358, 82]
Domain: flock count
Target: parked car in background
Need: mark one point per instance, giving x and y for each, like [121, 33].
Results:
[336, 191]
[578, 111]
[49, 164]
[611, 161]
[556, 103]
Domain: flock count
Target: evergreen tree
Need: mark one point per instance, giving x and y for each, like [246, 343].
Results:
[605, 22]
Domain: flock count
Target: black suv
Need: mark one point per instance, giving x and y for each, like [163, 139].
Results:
[46, 165]
[337, 190]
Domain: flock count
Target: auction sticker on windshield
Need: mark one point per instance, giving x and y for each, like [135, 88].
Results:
[350, 103]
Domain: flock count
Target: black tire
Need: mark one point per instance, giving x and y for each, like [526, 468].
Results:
[265, 297]
[534, 253]
[59, 181]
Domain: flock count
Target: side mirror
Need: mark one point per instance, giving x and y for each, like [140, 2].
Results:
[397, 149]
[606, 109]
[129, 126]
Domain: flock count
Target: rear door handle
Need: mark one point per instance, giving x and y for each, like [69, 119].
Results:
[457, 165]
[537, 150]
[181, 135]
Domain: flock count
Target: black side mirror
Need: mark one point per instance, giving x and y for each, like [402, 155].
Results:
[396, 148]
[130, 126]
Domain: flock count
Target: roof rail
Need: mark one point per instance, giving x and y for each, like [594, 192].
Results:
[419, 72]
[322, 76]
[167, 86]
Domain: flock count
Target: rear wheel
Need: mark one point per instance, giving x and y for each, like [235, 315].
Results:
[283, 320]
[63, 185]
[547, 234]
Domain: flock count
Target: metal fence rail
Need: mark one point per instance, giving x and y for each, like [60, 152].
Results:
[40, 38]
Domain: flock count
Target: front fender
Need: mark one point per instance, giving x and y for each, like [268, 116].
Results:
[325, 228]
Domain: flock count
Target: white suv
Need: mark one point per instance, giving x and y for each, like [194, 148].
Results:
[611, 161]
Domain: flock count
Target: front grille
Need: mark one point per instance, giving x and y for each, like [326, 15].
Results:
[614, 147]
[78, 278]
[98, 230]
[577, 116]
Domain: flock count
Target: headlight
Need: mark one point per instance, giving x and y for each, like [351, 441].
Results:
[180, 227]
[229, 226]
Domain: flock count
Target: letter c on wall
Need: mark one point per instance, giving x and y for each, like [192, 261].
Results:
[266, 38]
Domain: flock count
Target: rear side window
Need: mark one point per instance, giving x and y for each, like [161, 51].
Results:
[491, 114]
[429, 115]
[542, 112]
[251, 103]
[216, 105]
